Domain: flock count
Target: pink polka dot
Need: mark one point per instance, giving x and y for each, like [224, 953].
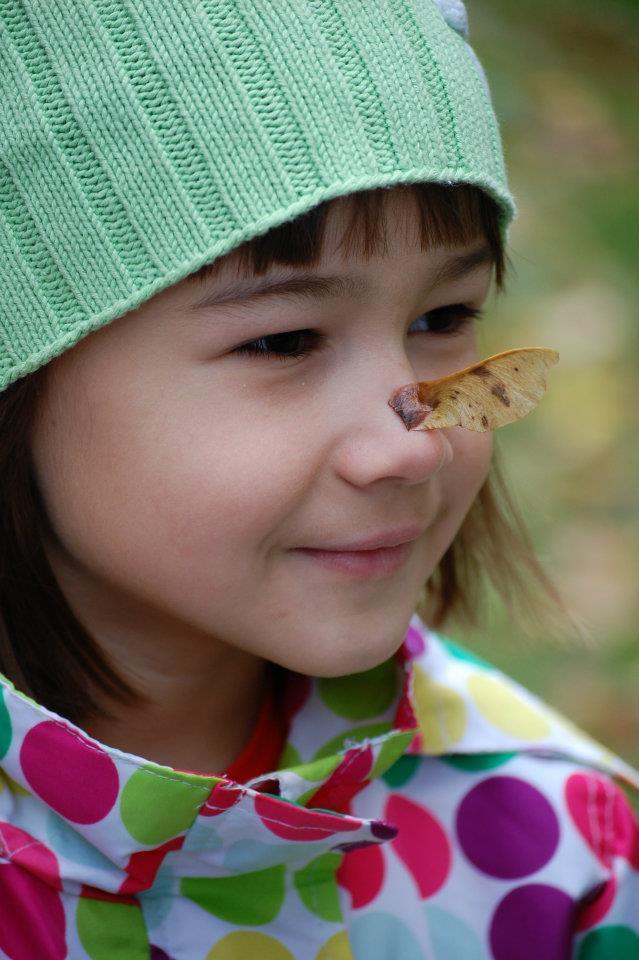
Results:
[75, 777]
[32, 920]
[362, 874]
[290, 822]
[421, 843]
[603, 817]
[414, 644]
[24, 850]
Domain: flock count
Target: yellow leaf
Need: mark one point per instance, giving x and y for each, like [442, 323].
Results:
[486, 395]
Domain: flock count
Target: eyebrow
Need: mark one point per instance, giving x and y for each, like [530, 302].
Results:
[313, 286]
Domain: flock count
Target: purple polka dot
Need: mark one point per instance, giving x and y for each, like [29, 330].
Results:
[75, 777]
[507, 828]
[356, 845]
[532, 922]
[158, 954]
[382, 830]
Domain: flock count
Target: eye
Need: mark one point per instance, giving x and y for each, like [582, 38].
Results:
[449, 321]
[298, 344]
[284, 346]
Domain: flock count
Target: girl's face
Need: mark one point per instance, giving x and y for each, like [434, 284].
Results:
[182, 476]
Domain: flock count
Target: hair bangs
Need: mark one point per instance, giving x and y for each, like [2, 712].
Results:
[449, 215]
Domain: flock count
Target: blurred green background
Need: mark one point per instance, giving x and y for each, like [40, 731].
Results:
[564, 83]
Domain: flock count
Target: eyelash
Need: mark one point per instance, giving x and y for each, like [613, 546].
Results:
[465, 316]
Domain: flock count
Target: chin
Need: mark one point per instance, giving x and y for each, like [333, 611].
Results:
[337, 657]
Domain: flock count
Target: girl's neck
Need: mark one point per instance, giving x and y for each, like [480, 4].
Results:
[193, 723]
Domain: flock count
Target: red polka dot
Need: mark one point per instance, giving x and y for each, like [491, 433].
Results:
[32, 920]
[221, 798]
[603, 817]
[290, 822]
[421, 843]
[593, 910]
[405, 718]
[296, 692]
[362, 874]
[72, 775]
[348, 778]
[143, 866]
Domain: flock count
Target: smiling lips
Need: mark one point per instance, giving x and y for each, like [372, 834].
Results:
[378, 556]
[391, 538]
[363, 564]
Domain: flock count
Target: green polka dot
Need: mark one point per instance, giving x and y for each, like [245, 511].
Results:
[389, 751]
[112, 931]
[461, 653]
[401, 771]
[317, 887]
[248, 898]
[361, 695]
[317, 770]
[155, 807]
[477, 761]
[243, 944]
[619, 942]
[5, 726]
[291, 757]
[19, 693]
[356, 734]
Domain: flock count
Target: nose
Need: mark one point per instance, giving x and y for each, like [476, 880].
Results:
[375, 442]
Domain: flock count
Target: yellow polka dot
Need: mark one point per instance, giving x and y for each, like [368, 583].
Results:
[441, 713]
[247, 943]
[505, 709]
[337, 948]
[604, 754]
[14, 787]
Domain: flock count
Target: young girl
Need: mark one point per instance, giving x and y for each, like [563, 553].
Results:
[229, 729]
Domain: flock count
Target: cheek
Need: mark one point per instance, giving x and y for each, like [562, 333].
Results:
[469, 467]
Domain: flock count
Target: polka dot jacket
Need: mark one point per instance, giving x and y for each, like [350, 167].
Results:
[428, 809]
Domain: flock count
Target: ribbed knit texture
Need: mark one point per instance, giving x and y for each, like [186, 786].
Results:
[140, 139]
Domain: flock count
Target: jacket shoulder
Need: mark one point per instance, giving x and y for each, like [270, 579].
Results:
[465, 705]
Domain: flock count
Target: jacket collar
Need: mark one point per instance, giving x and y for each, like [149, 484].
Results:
[76, 809]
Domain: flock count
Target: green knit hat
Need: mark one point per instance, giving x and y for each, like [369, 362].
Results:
[140, 139]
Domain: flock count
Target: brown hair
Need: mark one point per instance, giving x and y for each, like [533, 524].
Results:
[51, 656]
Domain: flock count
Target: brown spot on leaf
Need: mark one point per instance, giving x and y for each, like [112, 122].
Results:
[484, 420]
[498, 391]
[481, 372]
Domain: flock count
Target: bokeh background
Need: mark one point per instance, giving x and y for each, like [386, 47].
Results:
[564, 80]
